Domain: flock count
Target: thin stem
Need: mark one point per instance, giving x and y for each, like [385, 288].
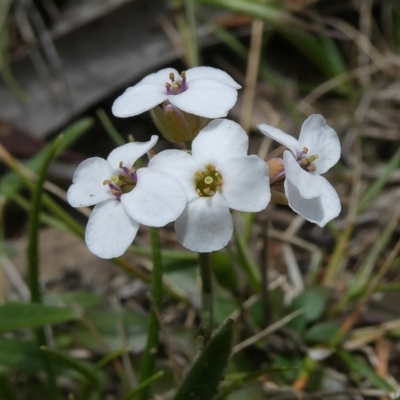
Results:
[110, 128]
[193, 47]
[33, 257]
[207, 296]
[265, 300]
[149, 357]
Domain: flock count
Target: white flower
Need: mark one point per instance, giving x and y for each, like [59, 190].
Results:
[316, 151]
[204, 91]
[125, 197]
[217, 175]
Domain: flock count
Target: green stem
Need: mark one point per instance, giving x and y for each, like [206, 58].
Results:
[193, 47]
[149, 357]
[110, 128]
[207, 296]
[33, 257]
[265, 300]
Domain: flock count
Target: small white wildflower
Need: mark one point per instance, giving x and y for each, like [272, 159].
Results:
[204, 91]
[314, 153]
[217, 175]
[124, 197]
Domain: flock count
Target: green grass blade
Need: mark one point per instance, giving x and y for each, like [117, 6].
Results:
[11, 183]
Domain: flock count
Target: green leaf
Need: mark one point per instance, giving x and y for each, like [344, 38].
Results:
[202, 381]
[22, 315]
[322, 332]
[313, 302]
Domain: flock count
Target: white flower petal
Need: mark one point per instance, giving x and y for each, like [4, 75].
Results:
[220, 140]
[305, 181]
[281, 137]
[319, 210]
[205, 225]
[206, 98]
[110, 230]
[130, 152]
[138, 99]
[157, 199]
[181, 165]
[211, 73]
[161, 77]
[320, 139]
[87, 184]
[245, 183]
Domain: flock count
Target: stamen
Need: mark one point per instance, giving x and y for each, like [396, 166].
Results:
[305, 149]
[198, 175]
[183, 74]
[172, 76]
[107, 182]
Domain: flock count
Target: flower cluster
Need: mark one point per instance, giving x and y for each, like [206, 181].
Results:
[198, 187]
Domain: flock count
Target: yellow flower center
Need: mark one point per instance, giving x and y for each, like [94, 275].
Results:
[208, 182]
[125, 182]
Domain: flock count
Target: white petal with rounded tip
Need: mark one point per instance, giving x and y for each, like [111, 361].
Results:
[319, 210]
[211, 73]
[181, 165]
[110, 230]
[220, 140]
[206, 98]
[161, 77]
[281, 137]
[205, 225]
[138, 99]
[305, 181]
[130, 152]
[320, 139]
[87, 184]
[157, 199]
[245, 183]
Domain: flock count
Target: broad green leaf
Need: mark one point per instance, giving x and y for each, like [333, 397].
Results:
[202, 380]
[322, 332]
[22, 315]
[313, 302]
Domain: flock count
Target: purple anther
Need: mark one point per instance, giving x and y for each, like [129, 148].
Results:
[116, 190]
[133, 175]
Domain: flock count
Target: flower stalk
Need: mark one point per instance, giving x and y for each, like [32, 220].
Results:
[207, 313]
[154, 323]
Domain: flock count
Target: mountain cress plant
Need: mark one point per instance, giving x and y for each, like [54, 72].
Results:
[197, 187]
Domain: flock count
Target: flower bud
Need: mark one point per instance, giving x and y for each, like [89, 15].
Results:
[176, 125]
[276, 170]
